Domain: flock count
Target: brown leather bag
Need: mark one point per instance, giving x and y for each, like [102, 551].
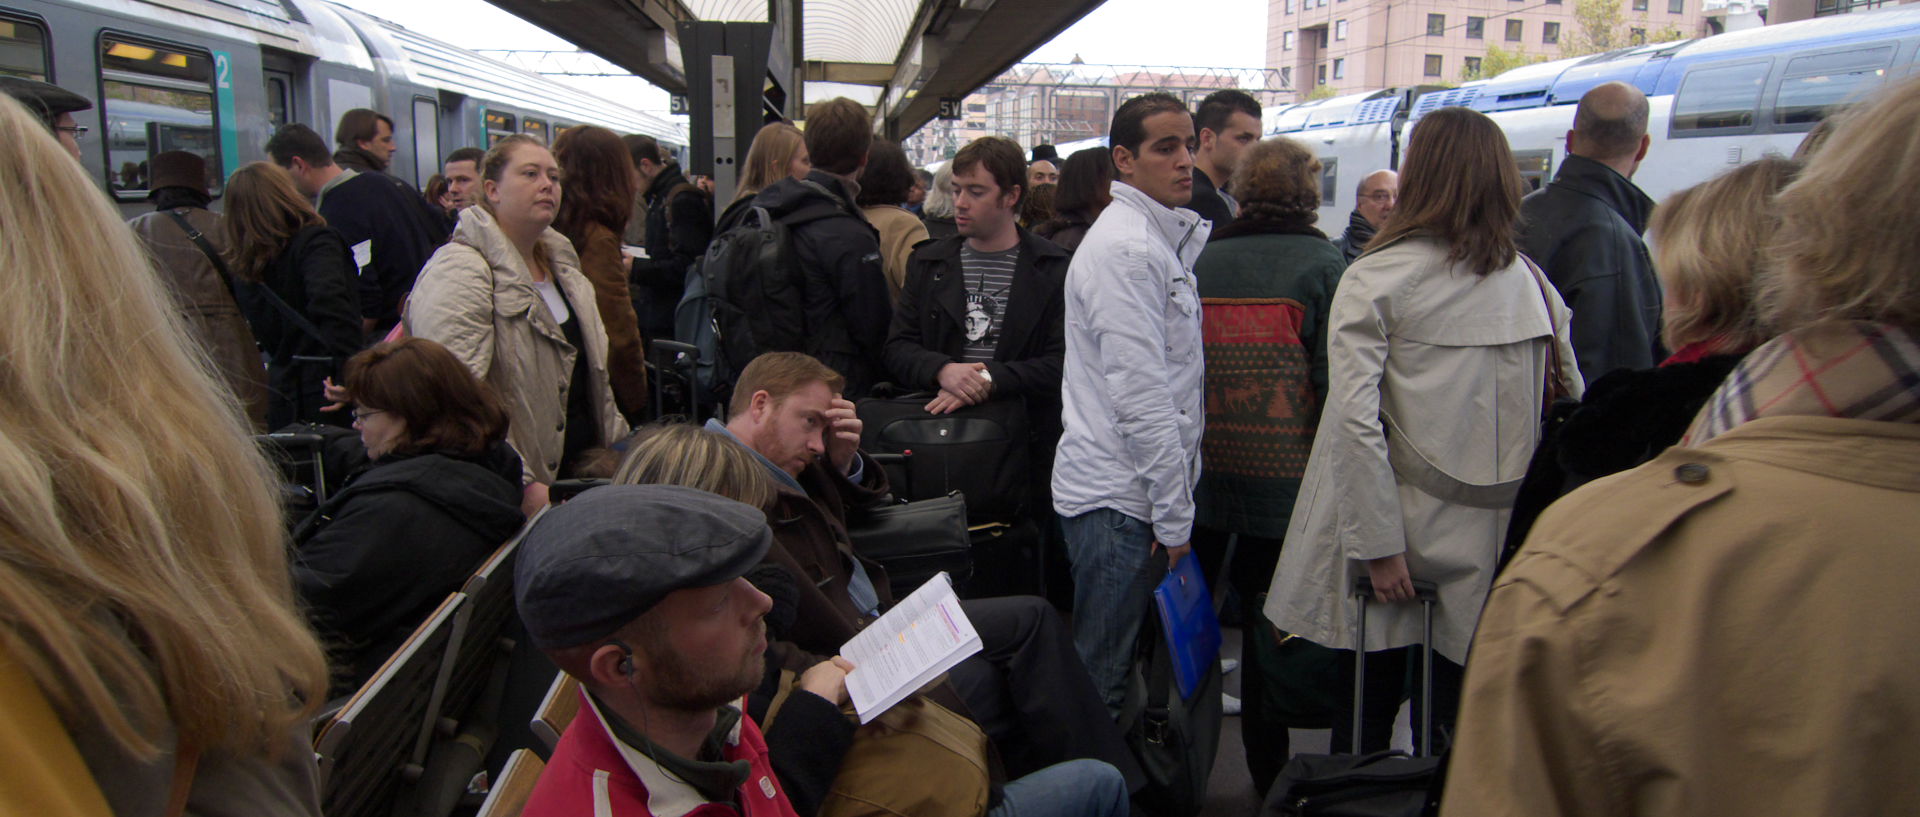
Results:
[884, 773]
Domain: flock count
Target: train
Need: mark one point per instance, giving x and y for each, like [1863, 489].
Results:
[1714, 103]
[216, 77]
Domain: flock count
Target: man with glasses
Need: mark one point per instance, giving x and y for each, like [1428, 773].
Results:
[54, 105]
[1376, 196]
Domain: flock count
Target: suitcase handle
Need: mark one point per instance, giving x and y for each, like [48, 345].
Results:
[1428, 594]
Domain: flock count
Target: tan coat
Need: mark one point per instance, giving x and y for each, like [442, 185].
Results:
[1726, 630]
[899, 231]
[476, 298]
[606, 268]
[207, 305]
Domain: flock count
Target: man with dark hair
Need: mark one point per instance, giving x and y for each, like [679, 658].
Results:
[1584, 231]
[1129, 456]
[385, 222]
[54, 105]
[846, 304]
[364, 141]
[463, 176]
[1228, 122]
[1373, 202]
[679, 227]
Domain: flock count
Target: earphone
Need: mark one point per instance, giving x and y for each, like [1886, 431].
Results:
[626, 659]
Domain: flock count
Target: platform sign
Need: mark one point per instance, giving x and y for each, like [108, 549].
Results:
[951, 108]
[229, 120]
[679, 105]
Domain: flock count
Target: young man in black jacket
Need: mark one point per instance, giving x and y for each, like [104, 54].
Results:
[845, 300]
[679, 227]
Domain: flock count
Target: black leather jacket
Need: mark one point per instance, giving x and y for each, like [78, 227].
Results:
[1584, 231]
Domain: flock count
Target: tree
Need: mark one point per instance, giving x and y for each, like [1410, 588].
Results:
[1322, 91]
[1598, 25]
[1498, 61]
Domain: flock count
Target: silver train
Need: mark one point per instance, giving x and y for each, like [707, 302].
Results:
[215, 77]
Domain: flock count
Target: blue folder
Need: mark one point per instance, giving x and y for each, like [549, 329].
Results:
[1187, 620]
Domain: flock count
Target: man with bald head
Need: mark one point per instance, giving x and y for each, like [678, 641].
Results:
[1373, 202]
[1584, 231]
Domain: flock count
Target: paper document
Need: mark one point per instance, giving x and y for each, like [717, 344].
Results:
[632, 251]
[921, 637]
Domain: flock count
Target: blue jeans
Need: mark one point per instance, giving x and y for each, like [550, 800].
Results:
[1076, 788]
[1109, 551]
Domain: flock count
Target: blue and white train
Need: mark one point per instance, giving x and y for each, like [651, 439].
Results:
[217, 76]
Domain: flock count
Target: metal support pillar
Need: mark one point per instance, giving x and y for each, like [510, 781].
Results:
[728, 81]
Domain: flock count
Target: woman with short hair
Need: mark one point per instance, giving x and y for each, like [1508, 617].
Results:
[505, 296]
[1440, 338]
[143, 572]
[298, 288]
[599, 174]
[884, 187]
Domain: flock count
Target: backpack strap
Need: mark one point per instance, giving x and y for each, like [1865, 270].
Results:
[280, 305]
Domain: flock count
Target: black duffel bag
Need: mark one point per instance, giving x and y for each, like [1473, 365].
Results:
[980, 451]
[1174, 739]
[1381, 784]
[916, 540]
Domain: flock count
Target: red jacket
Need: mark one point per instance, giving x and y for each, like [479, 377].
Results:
[588, 776]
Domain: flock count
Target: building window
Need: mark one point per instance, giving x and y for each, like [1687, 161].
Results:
[1289, 6]
[1286, 41]
[1472, 68]
[1321, 74]
[1436, 25]
[1550, 33]
[1516, 30]
[155, 98]
[1286, 76]
[1476, 28]
[1432, 65]
[1339, 29]
[1676, 6]
[1339, 69]
[1636, 36]
[1639, 5]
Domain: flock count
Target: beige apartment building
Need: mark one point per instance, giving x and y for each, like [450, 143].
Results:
[1357, 45]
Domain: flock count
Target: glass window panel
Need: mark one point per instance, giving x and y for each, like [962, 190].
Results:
[1476, 28]
[1516, 30]
[1816, 85]
[155, 99]
[23, 50]
[1436, 25]
[1719, 97]
[1550, 33]
[1329, 178]
[534, 128]
[1432, 65]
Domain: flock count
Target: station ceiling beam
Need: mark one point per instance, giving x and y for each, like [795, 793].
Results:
[633, 34]
[956, 46]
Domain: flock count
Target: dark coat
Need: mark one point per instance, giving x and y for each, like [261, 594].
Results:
[1584, 232]
[679, 228]
[403, 533]
[314, 275]
[1066, 231]
[1354, 240]
[929, 327]
[846, 301]
[1265, 290]
[1626, 418]
[938, 228]
[381, 209]
[810, 541]
[1208, 202]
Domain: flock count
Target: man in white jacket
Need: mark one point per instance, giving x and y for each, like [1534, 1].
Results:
[1129, 457]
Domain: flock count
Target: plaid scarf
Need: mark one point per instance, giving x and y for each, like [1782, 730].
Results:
[1855, 369]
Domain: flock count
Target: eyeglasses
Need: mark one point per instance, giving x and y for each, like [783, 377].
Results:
[1380, 195]
[362, 414]
[77, 130]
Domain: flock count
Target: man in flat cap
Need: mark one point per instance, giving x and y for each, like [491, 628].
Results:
[637, 591]
[54, 105]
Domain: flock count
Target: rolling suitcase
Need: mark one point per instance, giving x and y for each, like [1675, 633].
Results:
[1380, 784]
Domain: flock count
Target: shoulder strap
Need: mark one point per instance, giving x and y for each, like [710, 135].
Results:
[285, 309]
[199, 239]
[1556, 383]
[186, 760]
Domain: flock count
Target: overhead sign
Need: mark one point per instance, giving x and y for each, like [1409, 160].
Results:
[951, 107]
[680, 105]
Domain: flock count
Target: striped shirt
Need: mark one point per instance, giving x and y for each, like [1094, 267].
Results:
[988, 279]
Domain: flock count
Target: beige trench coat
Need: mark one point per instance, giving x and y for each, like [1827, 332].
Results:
[476, 298]
[1457, 361]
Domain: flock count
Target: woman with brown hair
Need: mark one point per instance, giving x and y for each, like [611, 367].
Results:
[1086, 181]
[600, 187]
[1440, 338]
[441, 492]
[779, 151]
[297, 285]
[506, 297]
[884, 186]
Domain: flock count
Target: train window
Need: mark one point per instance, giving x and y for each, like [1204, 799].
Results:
[1720, 98]
[1816, 85]
[23, 50]
[1329, 176]
[279, 98]
[499, 126]
[534, 128]
[155, 98]
[1536, 166]
[426, 138]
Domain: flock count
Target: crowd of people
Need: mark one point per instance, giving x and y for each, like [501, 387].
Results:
[1656, 461]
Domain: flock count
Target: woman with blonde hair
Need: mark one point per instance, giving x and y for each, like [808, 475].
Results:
[1709, 248]
[779, 151]
[1440, 338]
[297, 286]
[161, 625]
[505, 295]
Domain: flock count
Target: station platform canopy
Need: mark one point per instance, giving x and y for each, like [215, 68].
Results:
[913, 52]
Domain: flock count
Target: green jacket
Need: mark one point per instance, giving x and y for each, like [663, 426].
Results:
[1264, 293]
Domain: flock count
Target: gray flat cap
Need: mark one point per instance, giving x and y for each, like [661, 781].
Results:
[593, 565]
[45, 100]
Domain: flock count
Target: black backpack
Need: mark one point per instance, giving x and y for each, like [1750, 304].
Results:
[744, 297]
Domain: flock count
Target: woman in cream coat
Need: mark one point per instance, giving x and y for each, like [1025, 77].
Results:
[1441, 339]
[506, 296]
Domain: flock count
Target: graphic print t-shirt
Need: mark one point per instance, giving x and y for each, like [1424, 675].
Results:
[988, 279]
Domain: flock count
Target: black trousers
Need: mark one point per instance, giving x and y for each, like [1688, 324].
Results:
[1393, 676]
[1028, 690]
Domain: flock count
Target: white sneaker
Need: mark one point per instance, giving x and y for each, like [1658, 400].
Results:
[1228, 665]
[1229, 705]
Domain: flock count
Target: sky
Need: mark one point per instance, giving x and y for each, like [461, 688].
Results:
[1216, 33]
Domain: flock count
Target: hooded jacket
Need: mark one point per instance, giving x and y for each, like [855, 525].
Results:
[477, 299]
[845, 284]
[1584, 231]
[405, 531]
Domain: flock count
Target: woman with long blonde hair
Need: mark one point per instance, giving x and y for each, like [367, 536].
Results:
[144, 584]
[779, 151]
[280, 249]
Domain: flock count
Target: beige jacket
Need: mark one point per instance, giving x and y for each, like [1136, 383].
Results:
[899, 231]
[1726, 630]
[476, 298]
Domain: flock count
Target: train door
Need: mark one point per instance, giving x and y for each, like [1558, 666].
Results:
[426, 139]
[1536, 167]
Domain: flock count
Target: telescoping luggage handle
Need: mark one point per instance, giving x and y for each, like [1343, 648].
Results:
[1428, 594]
